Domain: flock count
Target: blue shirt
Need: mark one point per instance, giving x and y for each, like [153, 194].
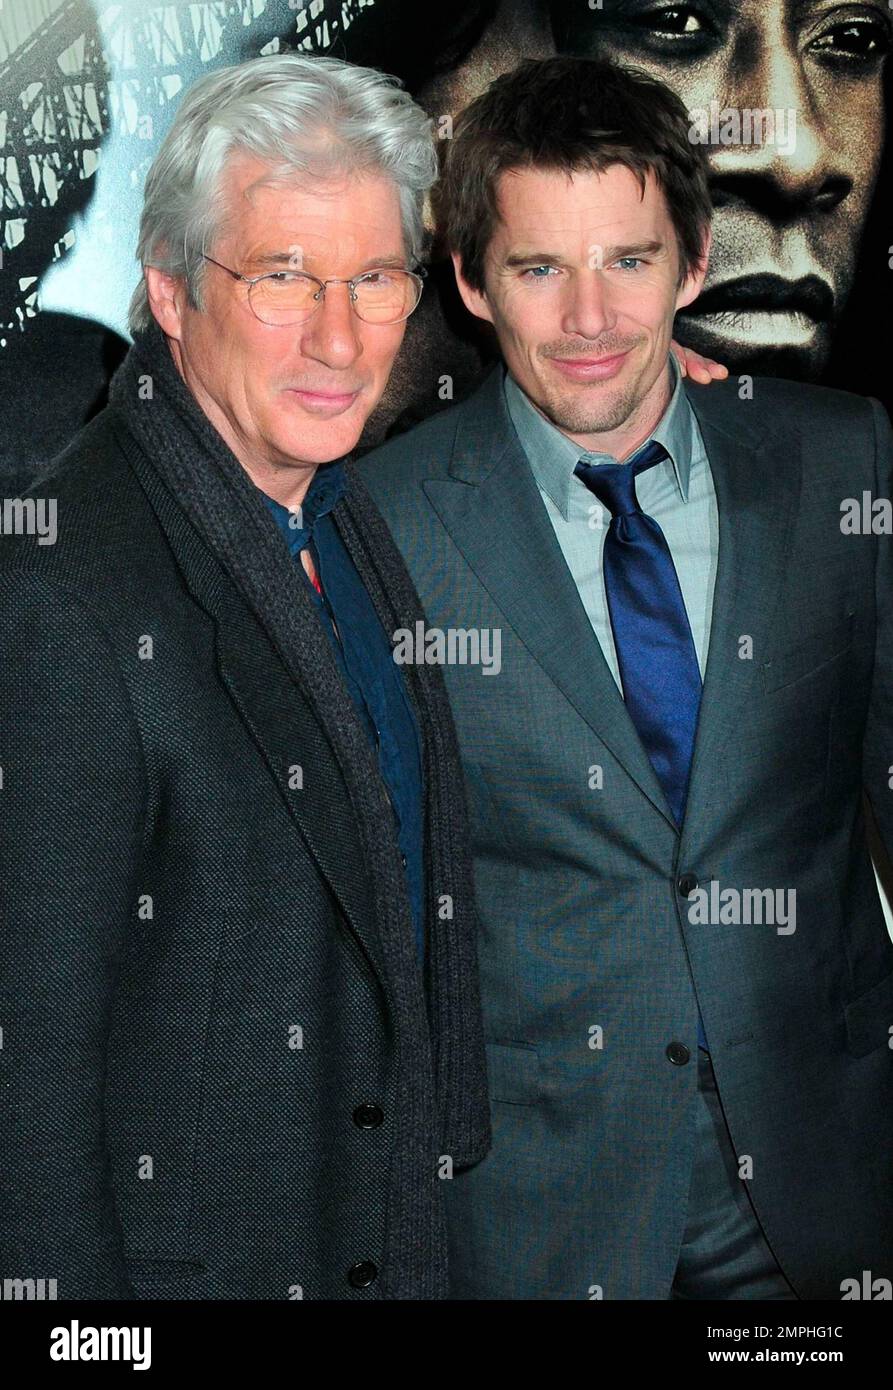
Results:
[678, 493]
[366, 661]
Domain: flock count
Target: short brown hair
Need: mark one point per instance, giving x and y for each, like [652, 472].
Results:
[570, 114]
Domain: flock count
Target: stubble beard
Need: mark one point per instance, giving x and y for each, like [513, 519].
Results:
[593, 412]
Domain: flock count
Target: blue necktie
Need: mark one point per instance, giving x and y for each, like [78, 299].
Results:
[655, 649]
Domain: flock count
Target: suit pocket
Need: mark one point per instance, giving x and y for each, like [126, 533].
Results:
[513, 1072]
[869, 1018]
[145, 1269]
[817, 650]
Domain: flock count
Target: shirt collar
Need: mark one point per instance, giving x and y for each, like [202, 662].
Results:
[326, 487]
[552, 456]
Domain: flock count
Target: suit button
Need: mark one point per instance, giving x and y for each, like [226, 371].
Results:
[678, 1053]
[363, 1274]
[403, 860]
[368, 1116]
[686, 883]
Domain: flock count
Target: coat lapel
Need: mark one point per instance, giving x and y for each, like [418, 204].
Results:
[757, 477]
[492, 508]
[288, 735]
[280, 720]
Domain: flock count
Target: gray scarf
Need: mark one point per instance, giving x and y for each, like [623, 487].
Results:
[440, 1074]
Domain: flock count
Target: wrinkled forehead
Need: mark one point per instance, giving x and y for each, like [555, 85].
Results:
[276, 218]
[581, 206]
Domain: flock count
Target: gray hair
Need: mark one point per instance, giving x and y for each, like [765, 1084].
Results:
[300, 114]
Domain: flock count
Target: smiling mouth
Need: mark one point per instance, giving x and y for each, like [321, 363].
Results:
[766, 309]
[590, 368]
[324, 402]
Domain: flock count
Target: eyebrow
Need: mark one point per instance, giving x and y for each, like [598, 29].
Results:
[282, 258]
[612, 253]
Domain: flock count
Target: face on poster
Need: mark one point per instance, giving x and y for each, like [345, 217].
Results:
[788, 99]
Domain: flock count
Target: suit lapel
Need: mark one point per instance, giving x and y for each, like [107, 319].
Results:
[279, 718]
[493, 510]
[757, 478]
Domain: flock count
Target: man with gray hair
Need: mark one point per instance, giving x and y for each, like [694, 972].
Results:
[242, 1044]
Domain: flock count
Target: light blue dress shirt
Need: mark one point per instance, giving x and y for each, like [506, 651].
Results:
[678, 493]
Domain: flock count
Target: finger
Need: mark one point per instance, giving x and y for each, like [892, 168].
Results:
[680, 355]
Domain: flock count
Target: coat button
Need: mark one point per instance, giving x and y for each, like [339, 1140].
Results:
[368, 1116]
[362, 1274]
[678, 1053]
[403, 860]
[686, 883]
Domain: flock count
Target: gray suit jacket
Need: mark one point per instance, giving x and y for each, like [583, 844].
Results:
[587, 948]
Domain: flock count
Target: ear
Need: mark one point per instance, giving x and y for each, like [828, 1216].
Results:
[474, 300]
[167, 300]
[693, 283]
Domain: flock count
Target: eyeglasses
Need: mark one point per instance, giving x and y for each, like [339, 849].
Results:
[287, 297]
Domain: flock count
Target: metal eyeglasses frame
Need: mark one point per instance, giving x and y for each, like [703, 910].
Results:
[419, 275]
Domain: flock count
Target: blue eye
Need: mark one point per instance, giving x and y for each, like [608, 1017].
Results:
[534, 270]
[629, 262]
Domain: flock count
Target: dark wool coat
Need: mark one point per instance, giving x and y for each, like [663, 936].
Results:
[224, 1074]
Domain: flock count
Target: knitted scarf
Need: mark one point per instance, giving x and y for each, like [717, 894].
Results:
[440, 1076]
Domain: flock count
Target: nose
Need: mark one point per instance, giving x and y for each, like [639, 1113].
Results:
[796, 165]
[332, 336]
[587, 307]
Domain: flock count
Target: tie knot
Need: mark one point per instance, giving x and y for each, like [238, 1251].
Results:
[614, 484]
